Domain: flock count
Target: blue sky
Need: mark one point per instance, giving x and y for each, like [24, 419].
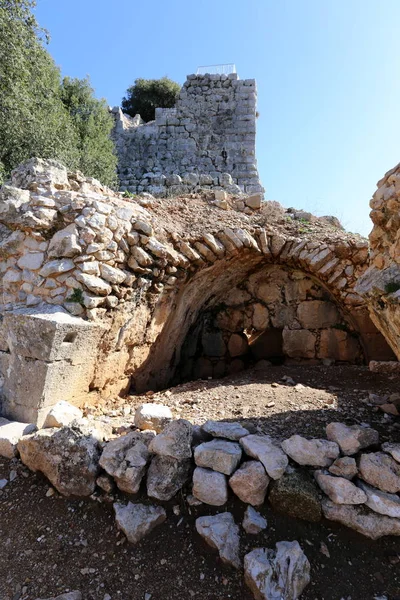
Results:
[327, 73]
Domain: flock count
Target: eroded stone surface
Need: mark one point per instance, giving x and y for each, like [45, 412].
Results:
[351, 438]
[68, 457]
[250, 482]
[281, 574]
[266, 450]
[317, 453]
[362, 520]
[210, 487]
[220, 429]
[174, 441]
[221, 532]
[253, 522]
[381, 471]
[137, 520]
[218, 455]
[126, 458]
[63, 413]
[296, 495]
[381, 502]
[339, 489]
[166, 476]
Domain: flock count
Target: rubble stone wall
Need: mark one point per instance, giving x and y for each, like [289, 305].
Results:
[206, 141]
[115, 289]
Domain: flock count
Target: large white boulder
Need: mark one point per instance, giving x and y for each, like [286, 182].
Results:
[152, 416]
[62, 414]
[10, 434]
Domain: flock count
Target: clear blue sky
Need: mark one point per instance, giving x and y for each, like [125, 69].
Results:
[327, 74]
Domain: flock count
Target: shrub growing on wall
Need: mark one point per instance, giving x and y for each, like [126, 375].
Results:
[145, 95]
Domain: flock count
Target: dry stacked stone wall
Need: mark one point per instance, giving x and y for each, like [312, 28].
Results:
[207, 141]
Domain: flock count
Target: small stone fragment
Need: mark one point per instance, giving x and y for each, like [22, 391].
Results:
[344, 467]
[137, 520]
[266, 450]
[218, 455]
[221, 532]
[381, 502]
[220, 429]
[316, 453]
[62, 413]
[361, 519]
[339, 489]
[152, 416]
[282, 574]
[250, 482]
[381, 471]
[210, 487]
[67, 596]
[352, 438]
[253, 522]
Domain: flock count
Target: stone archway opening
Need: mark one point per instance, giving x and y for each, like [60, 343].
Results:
[277, 314]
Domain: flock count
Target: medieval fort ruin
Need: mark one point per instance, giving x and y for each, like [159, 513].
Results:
[192, 276]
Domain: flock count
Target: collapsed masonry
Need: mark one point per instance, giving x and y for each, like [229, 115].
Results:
[102, 294]
[207, 141]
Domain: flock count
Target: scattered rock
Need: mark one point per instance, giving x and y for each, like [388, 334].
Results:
[68, 457]
[339, 489]
[230, 431]
[67, 596]
[221, 532]
[282, 574]
[152, 416]
[137, 520]
[210, 487]
[192, 501]
[361, 519]
[381, 471]
[218, 455]
[3, 483]
[253, 522]
[166, 476]
[316, 453]
[62, 414]
[106, 483]
[393, 449]
[381, 502]
[344, 467]
[250, 482]
[126, 458]
[266, 450]
[352, 438]
[10, 434]
[175, 440]
[296, 495]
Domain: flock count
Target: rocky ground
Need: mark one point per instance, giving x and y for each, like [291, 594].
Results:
[51, 544]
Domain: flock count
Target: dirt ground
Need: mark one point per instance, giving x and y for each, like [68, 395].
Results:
[50, 544]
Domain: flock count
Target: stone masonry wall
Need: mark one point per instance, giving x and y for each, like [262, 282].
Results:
[206, 141]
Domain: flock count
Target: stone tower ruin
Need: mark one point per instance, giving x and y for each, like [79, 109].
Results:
[206, 141]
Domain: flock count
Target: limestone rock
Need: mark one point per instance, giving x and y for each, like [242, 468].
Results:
[344, 467]
[380, 470]
[152, 416]
[296, 495]
[253, 522]
[316, 453]
[126, 458]
[166, 476]
[221, 429]
[266, 450]
[62, 414]
[10, 434]
[250, 482]
[218, 455]
[221, 532]
[381, 502]
[352, 438]
[64, 243]
[68, 457]
[137, 520]
[282, 574]
[67, 596]
[393, 449]
[339, 489]
[210, 487]
[362, 520]
[174, 441]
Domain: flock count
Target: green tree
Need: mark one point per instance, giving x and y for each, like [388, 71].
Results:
[93, 124]
[33, 119]
[148, 94]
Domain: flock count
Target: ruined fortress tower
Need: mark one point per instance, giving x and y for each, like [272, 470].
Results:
[207, 140]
